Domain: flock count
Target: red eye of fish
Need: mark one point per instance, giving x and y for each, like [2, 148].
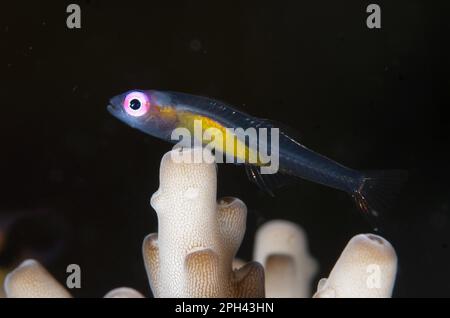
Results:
[136, 104]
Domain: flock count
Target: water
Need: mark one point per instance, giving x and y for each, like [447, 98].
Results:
[371, 99]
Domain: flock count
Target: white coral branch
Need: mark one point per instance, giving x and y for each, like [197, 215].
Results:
[366, 268]
[198, 237]
[282, 247]
[31, 280]
[124, 292]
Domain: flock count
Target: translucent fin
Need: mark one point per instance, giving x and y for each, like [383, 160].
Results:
[268, 182]
[378, 191]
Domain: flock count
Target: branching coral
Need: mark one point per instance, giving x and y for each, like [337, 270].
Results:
[366, 268]
[282, 247]
[192, 254]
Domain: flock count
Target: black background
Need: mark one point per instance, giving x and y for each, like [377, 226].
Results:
[370, 99]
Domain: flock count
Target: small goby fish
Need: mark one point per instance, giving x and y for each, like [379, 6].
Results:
[158, 113]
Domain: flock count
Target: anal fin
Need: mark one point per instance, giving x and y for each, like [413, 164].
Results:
[268, 182]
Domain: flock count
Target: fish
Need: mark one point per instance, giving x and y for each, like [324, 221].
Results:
[158, 113]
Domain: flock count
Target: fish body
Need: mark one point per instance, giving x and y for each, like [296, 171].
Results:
[161, 112]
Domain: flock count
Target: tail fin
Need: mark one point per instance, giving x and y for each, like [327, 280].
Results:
[378, 190]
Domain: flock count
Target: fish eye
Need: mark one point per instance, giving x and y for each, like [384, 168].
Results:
[136, 104]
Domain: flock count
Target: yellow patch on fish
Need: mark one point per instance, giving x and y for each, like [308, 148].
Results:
[224, 140]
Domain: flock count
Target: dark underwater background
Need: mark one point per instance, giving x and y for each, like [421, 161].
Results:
[76, 183]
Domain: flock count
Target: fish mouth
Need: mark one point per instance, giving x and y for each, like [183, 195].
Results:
[111, 109]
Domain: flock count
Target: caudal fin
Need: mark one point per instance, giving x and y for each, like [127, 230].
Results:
[378, 190]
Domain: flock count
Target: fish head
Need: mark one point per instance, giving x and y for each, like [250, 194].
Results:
[139, 109]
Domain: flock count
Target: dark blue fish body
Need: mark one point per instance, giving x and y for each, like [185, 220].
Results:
[169, 110]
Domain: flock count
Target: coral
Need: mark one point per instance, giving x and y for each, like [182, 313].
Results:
[193, 253]
[366, 268]
[124, 292]
[198, 237]
[31, 280]
[282, 247]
